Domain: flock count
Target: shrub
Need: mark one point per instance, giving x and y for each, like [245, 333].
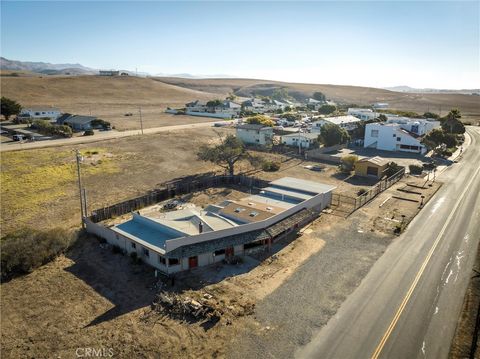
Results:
[392, 168]
[27, 249]
[415, 170]
[348, 163]
[135, 258]
[260, 120]
[270, 166]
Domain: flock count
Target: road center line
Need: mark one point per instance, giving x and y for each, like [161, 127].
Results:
[395, 319]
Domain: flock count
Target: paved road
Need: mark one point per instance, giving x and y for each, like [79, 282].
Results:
[409, 303]
[99, 136]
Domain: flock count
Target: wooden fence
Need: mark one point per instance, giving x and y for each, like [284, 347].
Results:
[171, 189]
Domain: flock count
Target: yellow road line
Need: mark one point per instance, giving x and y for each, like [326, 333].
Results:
[395, 319]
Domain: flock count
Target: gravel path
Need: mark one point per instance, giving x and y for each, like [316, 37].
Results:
[304, 303]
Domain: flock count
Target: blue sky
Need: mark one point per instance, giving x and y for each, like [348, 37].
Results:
[381, 43]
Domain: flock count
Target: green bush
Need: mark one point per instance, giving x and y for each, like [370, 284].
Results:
[135, 258]
[27, 249]
[270, 166]
[116, 249]
[361, 191]
[348, 163]
[415, 170]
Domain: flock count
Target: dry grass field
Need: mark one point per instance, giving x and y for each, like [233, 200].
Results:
[439, 103]
[109, 98]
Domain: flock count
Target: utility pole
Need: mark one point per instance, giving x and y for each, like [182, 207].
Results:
[141, 120]
[79, 159]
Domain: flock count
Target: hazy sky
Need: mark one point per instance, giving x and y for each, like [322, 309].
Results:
[381, 43]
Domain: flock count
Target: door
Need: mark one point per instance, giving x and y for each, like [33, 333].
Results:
[192, 262]
[372, 171]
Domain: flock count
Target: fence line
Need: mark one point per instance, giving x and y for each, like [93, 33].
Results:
[347, 205]
[171, 189]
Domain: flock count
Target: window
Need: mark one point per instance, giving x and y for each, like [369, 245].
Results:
[399, 139]
[173, 261]
[219, 252]
[394, 135]
[162, 260]
[238, 210]
[146, 252]
[134, 245]
[374, 133]
[253, 214]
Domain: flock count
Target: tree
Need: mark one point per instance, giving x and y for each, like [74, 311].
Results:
[452, 124]
[392, 168]
[260, 120]
[348, 163]
[431, 115]
[327, 109]
[359, 131]
[383, 118]
[438, 137]
[331, 134]
[291, 116]
[9, 107]
[319, 96]
[214, 103]
[280, 94]
[225, 154]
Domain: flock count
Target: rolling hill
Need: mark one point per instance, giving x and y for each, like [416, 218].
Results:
[361, 96]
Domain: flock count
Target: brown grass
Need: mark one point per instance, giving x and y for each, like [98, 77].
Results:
[468, 105]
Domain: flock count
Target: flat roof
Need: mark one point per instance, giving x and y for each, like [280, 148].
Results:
[303, 185]
[286, 192]
[270, 201]
[144, 233]
[245, 213]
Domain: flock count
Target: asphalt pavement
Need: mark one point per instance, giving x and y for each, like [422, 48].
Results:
[409, 303]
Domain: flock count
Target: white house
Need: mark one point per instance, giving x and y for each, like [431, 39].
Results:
[391, 137]
[196, 106]
[274, 105]
[363, 114]
[228, 108]
[255, 134]
[380, 105]
[254, 105]
[417, 126]
[37, 112]
[347, 122]
[314, 104]
[301, 140]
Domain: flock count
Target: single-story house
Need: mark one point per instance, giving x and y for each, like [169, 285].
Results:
[254, 105]
[301, 140]
[255, 134]
[392, 137]
[40, 112]
[196, 106]
[109, 73]
[371, 166]
[347, 122]
[363, 114]
[77, 122]
[192, 237]
[314, 104]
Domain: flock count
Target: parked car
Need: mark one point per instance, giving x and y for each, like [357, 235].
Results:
[171, 204]
[88, 133]
[129, 114]
[18, 137]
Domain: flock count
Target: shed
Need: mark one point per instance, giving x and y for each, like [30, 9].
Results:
[371, 166]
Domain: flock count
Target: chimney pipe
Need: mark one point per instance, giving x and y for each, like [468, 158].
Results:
[200, 227]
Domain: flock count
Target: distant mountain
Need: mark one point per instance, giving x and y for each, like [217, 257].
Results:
[190, 76]
[45, 67]
[431, 90]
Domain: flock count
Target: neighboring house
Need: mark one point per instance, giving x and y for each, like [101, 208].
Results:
[301, 140]
[228, 108]
[196, 106]
[391, 137]
[77, 122]
[193, 237]
[314, 104]
[380, 105]
[109, 73]
[347, 122]
[417, 126]
[254, 105]
[255, 134]
[274, 105]
[39, 112]
[371, 166]
[363, 114]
